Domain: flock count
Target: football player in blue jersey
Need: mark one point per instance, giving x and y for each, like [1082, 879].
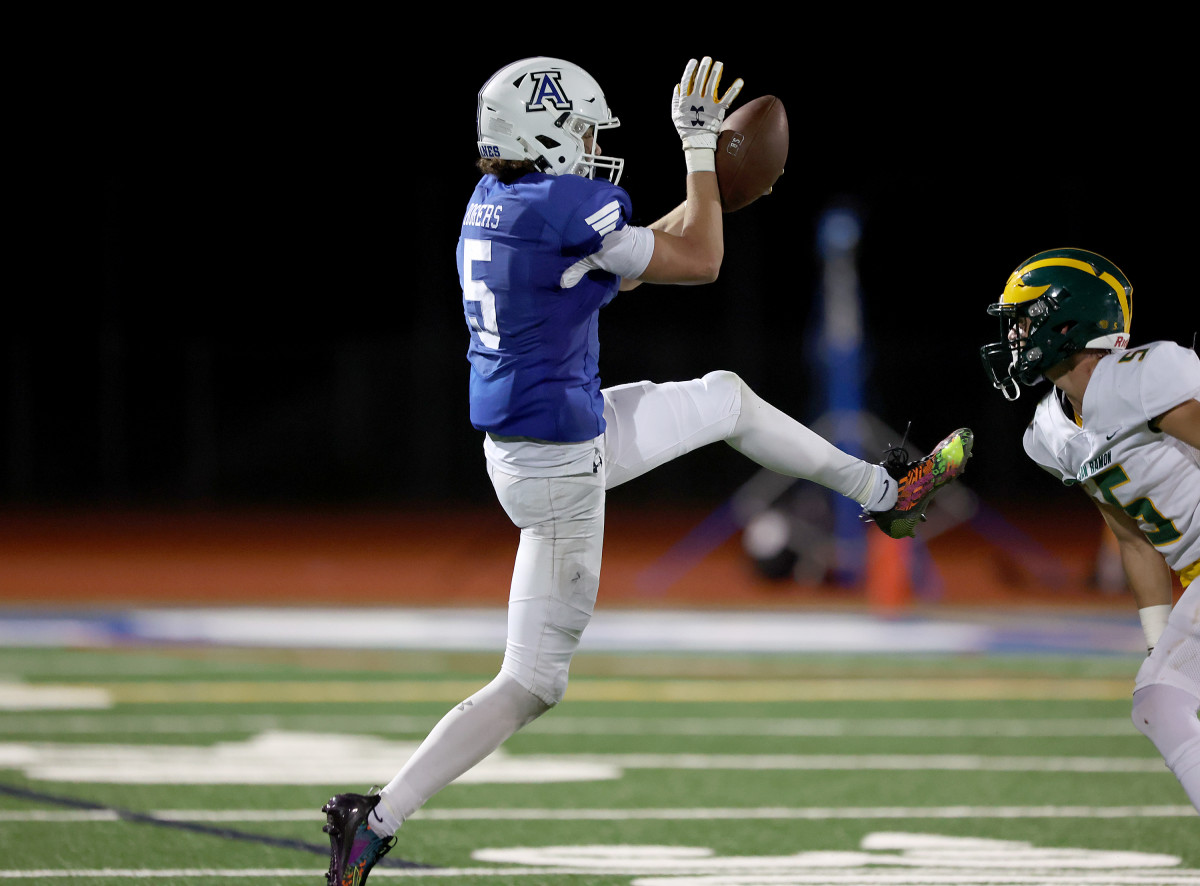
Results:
[1123, 424]
[545, 244]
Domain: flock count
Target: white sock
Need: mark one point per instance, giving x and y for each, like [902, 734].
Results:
[463, 737]
[881, 496]
[1186, 766]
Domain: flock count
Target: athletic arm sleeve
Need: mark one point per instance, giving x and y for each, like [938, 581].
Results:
[624, 252]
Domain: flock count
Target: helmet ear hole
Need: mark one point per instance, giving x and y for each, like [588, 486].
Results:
[550, 144]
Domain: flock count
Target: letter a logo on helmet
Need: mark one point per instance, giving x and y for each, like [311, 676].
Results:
[562, 142]
[547, 87]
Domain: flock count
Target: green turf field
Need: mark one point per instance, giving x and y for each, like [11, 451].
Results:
[205, 766]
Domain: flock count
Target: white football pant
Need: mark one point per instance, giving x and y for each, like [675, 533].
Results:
[1166, 695]
[557, 571]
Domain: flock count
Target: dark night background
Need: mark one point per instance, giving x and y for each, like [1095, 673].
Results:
[240, 286]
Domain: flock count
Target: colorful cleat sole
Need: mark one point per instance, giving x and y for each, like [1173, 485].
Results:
[919, 481]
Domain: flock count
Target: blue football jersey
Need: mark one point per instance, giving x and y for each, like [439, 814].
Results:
[535, 348]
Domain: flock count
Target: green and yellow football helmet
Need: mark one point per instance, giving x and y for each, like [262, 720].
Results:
[1055, 304]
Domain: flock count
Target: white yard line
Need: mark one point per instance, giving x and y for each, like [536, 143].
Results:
[861, 876]
[886, 858]
[562, 723]
[812, 813]
[310, 692]
[781, 813]
[856, 762]
[226, 874]
[317, 759]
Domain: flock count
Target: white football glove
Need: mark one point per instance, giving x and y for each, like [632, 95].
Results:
[696, 110]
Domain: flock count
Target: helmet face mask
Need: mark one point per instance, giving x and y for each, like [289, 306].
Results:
[550, 112]
[1055, 304]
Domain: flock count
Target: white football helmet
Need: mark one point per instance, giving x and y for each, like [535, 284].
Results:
[542, 109]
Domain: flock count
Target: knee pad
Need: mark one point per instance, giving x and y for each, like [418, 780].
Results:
[542, 667]
[525, 706]
[1167, 716]
[728, 382]
[548, 683]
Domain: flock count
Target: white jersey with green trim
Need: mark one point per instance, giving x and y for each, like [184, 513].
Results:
[1119, 459]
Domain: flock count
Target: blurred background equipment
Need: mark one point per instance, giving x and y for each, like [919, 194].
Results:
[245, 307]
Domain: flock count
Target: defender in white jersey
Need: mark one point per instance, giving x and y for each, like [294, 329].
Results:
[545, 245]
[1123, 424]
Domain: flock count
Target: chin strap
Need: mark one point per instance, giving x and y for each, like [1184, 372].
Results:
[1010, 388]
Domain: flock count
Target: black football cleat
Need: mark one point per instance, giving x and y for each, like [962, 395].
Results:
[354, 847]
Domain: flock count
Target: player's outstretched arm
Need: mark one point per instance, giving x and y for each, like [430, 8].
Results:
[689, 246]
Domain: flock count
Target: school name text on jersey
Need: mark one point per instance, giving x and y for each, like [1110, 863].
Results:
[1089, 468]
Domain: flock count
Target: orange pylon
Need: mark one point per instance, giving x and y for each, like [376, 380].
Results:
[888, 576]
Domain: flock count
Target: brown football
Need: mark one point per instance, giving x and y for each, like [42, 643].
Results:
[751, 150]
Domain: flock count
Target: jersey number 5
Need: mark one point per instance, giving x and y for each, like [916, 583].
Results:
[1142, 509]
[481, 301]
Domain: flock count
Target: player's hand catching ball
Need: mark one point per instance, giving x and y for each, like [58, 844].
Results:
[696, 109]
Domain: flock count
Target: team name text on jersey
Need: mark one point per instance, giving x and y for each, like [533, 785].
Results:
[1090, 467]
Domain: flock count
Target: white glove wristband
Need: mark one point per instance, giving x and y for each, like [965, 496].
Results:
[700, 159]
[700, 140]
[1154, 622]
